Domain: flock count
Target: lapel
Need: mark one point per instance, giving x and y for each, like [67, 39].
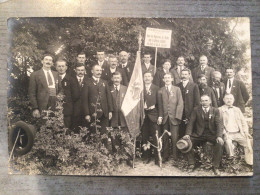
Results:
[43, 78]
[165, 93]
[121, 95]
[234, 85]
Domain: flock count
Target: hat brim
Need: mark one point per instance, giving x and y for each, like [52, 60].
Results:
[189, 148]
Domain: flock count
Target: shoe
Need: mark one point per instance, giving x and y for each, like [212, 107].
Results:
[148, 161]
[216, 171]
[156, 162]
[165, 160]
[191, 168]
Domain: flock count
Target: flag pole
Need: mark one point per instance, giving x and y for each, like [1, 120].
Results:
[139, 50]
[155, 60]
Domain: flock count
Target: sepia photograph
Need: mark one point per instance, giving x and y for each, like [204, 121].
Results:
[130, 96]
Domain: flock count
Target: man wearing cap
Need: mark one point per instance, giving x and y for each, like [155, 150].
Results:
[170, 104]
[191, 98]
[204, 89]
[205, 126]
[203, 68]
[177, 70]
[235, 129]
[237, 88]
[43, 87]
[151, 122]
[61, 67]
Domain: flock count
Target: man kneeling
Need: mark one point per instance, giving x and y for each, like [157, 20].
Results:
[235, 129]
[205, 126]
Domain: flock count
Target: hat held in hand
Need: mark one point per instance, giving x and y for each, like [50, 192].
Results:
[184, 145]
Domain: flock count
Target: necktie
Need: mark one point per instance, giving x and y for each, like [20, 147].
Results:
[229, 83]
[80, 81]
[205, 110]
[49, 78]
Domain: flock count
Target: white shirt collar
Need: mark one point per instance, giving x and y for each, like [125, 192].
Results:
[184, 83]
[124, 65]
[207, 109]
[117, 87]
[147, 65]
[80, 78]
[63, 75]
[165, 70]
[96, 79]
[147, 86]
[101, 63]
[112, 70]
[168, 87]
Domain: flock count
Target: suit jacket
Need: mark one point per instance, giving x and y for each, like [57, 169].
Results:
[107, 75]
[196, 125]
[209, 91]
[117, 100]
[151, 101]
[150, 69]
[67, 91]
[240, 94]
[90, 93]
[219, 99]
[170, 106]
[158, 78]
[191, 98]
[38, 89]
[177, 76]
[129, 70]
[208, 71]
[76, 94]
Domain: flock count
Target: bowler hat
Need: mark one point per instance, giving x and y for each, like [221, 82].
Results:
[184, 145]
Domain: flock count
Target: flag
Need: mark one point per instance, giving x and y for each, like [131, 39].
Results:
[133, 103]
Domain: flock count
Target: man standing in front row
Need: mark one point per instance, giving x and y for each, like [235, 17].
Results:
[237, 88]
[205, 126]
[170, 114]
[235, 129]
[97, 99]
[43, 87]
[150, 125]
[61, 67]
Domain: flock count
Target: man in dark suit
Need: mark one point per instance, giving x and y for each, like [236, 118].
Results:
[170, 114]
[191, 98]
[218, 88]
[205, 126]
[146, 65]
[177, 70]
[111, 68]
[159, 75]
[204, 89]
[97, 100]
[203, 68]
[80, 59]
[150, 125]
[237, 88]
[123, 63]
[118, 92]
[61, 67]
[101, 60]
[77, 84]
[43, 87]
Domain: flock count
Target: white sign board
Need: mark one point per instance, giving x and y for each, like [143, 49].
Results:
[155, 37]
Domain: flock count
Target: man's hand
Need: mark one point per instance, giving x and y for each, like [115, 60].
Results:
[186, 137]
[36, 113]
[159, 121]
[87, 118]
[109, 115]
[220, 141]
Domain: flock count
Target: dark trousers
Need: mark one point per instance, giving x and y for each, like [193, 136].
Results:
[117, 140]
[148, 129]
[182, 129]
[217, 150]
[52, 103]
[77, 121]
[67, 121]
[174, 129]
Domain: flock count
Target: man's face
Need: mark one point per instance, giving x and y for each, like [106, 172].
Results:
[47, 62]
[202, 80]
[116, 79]
[230, 73]
[180, 61]
[185, 75]
[80, 71]
[113, 63]
[147, 59]
[167, 79]
[148, 78]
[167, 65]
[216, 78]
[229, 100]
[205, 101]
[101, 56]
[81, 58]
[61, 67]
[123, 56]
[203, 60]
[96, 71]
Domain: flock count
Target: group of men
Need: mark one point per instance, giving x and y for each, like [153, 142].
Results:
[195, 106]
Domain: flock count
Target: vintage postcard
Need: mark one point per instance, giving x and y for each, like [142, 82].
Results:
[130, 96]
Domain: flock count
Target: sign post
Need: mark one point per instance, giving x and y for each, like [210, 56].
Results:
[158, 38]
